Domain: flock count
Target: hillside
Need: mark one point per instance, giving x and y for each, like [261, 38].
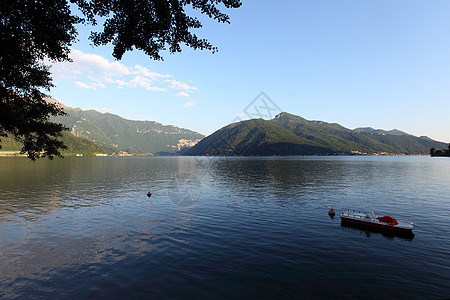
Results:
[118, 134]
[255, 137]
[288, 134]
[333, 136]
[381, 131]
[75, 145]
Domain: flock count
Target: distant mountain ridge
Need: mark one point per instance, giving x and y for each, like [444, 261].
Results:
[381, 131]
[117, 134]
[289, 134]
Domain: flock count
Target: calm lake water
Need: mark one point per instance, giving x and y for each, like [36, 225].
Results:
[221, 228]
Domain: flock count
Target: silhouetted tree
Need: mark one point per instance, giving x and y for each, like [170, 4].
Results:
[447, 152]
[432, 151]
[34, 30]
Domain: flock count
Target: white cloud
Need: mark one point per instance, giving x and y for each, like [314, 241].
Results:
[84, 86]
[147, 73]
[92, 71]
[92, 85]
[178, 85]
[136, 81]
[155, 89]
[109, 79]
[98, 84]
[89, 61]
[182, 94]
[64, 70]
[141, 82]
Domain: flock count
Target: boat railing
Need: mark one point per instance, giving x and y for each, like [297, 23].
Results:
[356, 215]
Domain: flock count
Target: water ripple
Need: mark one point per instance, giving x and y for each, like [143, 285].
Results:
[234, 227]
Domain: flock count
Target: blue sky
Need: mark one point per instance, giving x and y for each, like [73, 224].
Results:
[380, 64]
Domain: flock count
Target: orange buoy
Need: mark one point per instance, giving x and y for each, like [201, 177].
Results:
[149, 194]
[331, 212]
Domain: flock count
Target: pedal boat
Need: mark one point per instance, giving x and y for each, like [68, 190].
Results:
[371, 220]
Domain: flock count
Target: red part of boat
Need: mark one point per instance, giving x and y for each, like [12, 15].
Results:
[388, 219]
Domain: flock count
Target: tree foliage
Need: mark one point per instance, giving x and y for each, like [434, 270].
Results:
[151, 26]
[30, 32]
[35, 31]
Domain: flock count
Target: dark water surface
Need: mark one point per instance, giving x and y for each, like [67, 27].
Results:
[221, 228]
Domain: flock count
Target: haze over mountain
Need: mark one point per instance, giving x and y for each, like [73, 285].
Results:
[288, 134]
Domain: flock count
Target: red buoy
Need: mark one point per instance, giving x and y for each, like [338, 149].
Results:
[331, 212]
[149, 194]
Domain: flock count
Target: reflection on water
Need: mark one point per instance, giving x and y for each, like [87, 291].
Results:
[235, 227]
[185, 185]
[390, 235]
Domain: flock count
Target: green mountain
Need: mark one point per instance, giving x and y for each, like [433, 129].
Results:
[75, 145]
[117, 134]
[288, 134]
[371, 130]
[255, 137]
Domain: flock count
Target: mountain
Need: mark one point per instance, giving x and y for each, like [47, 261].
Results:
[288, 134]
[117, 134]
[75, 145]
[381, 131]
[255, 137]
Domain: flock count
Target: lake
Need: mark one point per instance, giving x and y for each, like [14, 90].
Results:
[241, 227]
